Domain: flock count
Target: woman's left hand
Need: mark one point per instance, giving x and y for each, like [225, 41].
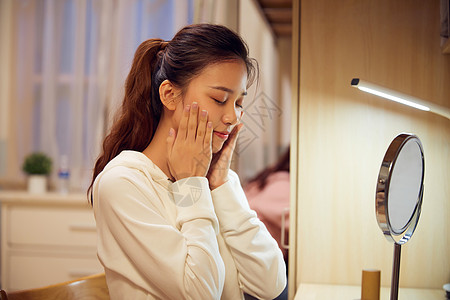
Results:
[221, 161]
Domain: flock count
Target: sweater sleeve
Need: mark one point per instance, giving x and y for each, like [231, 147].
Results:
[137, 242]
[262, 270]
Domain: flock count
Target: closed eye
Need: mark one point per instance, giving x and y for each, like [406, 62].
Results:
[223, 102]
[218, 101]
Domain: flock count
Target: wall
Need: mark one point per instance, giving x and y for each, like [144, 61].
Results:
[223, 12]
[258, 141]
[344, 133]
[284, 46]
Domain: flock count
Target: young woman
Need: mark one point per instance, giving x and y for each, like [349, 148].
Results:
[172, 218]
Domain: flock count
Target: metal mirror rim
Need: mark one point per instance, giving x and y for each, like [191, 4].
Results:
[383, 182]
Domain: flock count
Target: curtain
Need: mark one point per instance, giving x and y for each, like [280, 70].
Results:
[6, 55]
[68, 73]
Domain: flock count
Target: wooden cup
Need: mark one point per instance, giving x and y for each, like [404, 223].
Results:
[370, 287]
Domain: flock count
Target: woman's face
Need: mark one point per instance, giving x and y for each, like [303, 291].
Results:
[219, 89]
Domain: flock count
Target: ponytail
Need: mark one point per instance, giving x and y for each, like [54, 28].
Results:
[141, 108]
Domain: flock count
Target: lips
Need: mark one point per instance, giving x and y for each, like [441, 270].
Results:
[223, 135]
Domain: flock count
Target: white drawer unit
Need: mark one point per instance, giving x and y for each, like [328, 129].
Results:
[46, 239]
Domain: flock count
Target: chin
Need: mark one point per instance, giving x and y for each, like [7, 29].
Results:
[217, 147]
[217, 144]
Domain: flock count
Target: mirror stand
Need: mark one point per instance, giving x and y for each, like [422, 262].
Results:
[395, 271]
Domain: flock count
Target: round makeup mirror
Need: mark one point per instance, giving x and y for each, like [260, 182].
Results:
[400, 188]
[399, 195]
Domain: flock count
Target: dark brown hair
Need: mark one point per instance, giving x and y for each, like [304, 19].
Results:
[281, 165]
[191, 50]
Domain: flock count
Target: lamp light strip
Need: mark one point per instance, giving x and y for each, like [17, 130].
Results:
[394, 98]
[400, 97]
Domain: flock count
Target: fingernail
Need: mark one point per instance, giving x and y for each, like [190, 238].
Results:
[171, 131]
[194, 105]
[187, 107]
[209, 124]
[203, 113]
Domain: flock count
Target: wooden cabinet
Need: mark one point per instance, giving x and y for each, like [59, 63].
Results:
[46, 239]
[340, 136]
[346, 292]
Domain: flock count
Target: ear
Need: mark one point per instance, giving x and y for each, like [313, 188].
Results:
[168, 94]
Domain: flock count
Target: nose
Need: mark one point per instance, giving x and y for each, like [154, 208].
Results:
[231, 116]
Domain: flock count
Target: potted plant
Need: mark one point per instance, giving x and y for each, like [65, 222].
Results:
[38, 166]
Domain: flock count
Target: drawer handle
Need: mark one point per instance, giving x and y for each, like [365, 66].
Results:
[82, 227]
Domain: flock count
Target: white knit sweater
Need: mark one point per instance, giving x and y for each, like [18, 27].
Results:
[164, 240]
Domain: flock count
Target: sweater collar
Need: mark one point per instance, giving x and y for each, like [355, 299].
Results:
[139, 160]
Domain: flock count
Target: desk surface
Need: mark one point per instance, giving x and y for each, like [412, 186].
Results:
[50, 198]
[346, 292]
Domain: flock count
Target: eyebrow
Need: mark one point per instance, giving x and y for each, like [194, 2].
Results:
[225, 89]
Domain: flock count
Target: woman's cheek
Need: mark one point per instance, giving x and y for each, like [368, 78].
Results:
[176, 118]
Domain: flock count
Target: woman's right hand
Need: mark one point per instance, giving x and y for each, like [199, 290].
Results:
[189, 149]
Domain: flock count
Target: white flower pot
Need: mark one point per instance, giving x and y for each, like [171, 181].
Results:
[37, 184]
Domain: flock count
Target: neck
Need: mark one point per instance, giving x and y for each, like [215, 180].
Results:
[156, 151]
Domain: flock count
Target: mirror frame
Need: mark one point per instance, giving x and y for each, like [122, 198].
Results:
[382, 191]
